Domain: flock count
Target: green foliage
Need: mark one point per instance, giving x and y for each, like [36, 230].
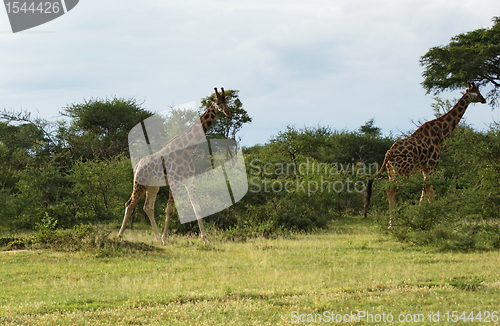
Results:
[99, 127]
[100, 188]
[39, 190]
[472, 56]
[22, 135]
[87, 238]
[331, 146]
[301, 180]
[47, 223]
[369, 128]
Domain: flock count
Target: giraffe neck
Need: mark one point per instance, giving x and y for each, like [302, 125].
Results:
[191, 137]
[450, 120]
[208, 118]
[438, 129]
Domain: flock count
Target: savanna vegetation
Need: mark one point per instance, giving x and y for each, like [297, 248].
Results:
[299, 181]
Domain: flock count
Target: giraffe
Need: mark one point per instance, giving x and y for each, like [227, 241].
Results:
[176, 158]
[420, 151]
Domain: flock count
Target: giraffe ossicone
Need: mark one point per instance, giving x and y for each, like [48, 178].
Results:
[198, 187]
[419, 152]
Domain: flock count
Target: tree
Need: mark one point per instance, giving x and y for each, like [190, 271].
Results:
[32, 134]
[369, 128]
[472, 56]
[100, 127]
[227, 127]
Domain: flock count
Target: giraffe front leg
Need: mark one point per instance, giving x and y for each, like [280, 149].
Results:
[202, 230]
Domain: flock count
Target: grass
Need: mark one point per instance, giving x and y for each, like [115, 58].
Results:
[349, 268]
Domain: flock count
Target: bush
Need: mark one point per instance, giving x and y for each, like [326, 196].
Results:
[80, 238]
[100, 189]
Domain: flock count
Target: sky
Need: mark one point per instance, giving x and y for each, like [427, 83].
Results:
[336, 63]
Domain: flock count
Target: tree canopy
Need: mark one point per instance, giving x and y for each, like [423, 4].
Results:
[471, 56]
[99, 127]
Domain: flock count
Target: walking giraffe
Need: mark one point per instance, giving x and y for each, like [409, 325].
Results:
[176, 158]
[420, 151]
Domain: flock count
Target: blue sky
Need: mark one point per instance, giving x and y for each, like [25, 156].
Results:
[330, 63]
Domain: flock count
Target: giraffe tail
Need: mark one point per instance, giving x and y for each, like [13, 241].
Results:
[368, 196]
[369, 185]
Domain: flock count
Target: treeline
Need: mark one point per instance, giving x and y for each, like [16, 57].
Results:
[79, 171]
[74, 171]
[303, 178]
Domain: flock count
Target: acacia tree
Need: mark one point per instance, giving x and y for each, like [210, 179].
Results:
[99, 127]
[227, 127]
[471, 56]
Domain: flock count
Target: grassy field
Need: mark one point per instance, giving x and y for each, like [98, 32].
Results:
[350, 269]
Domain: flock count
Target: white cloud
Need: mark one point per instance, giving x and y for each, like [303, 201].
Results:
[335, 63]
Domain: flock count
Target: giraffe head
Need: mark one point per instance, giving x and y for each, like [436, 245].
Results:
[220, 102]
[473, 93]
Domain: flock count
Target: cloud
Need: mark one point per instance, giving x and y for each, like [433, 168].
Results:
[336, 63]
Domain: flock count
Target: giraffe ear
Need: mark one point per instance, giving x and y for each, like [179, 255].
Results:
[462, 92]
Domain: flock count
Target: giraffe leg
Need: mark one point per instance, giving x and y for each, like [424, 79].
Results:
[138, 192]
[149, 208]
[427, 189]
[391, 196]
[168, 214]
[430, 193]
[196, 206]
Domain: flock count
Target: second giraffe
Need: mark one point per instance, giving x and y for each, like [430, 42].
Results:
[420, 151]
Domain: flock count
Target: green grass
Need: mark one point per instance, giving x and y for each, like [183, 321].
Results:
[349, 268]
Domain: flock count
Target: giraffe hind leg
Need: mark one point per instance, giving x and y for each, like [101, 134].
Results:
[149, 208]
[391, 196]
[137, 193]
[190, 187]
[427, 190]
[168, 213]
